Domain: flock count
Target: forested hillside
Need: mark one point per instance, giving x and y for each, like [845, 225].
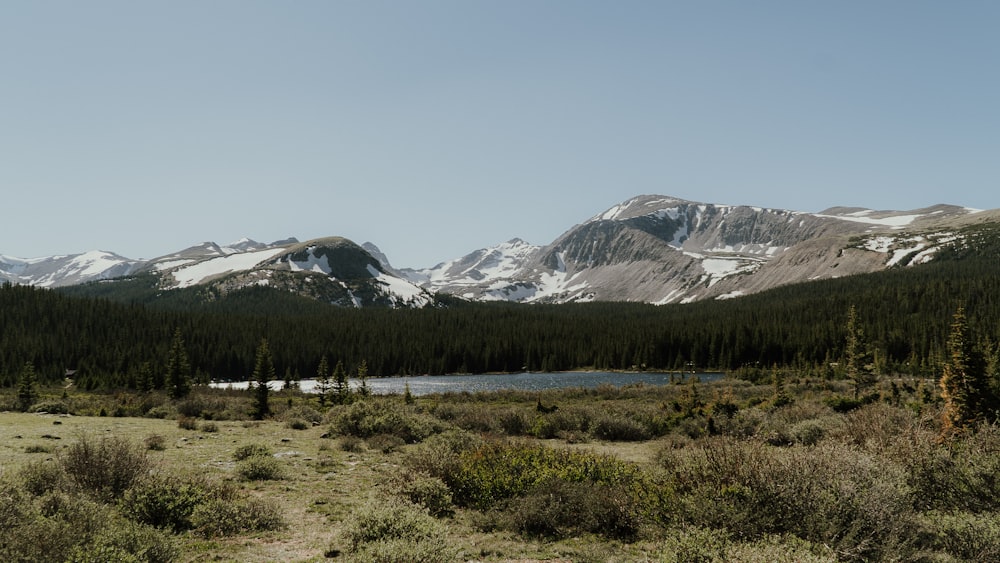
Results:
[905, 312]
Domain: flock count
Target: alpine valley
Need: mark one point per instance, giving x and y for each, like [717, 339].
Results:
[651, 249]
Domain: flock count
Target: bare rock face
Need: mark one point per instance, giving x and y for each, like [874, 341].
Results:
[659, 249]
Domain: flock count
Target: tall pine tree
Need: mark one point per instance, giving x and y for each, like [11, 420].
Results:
[178, 371]
[341, 387]
[857, 355]
[27, 392]
[323, 381]
[263, 371]
[965, 387]
[363, 379]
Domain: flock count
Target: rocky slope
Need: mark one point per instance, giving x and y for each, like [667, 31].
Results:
[660, 249]
[654, 249]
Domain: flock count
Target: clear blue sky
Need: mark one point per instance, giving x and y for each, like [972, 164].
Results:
[433, 128]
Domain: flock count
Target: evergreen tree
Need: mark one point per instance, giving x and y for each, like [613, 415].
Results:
[27, 392]
[363, 379]
[178, 371]
[323, 381]
[341, 387]
[858, 357]
[965, 387]
[144, 381]
[263, 371]
[288, 378]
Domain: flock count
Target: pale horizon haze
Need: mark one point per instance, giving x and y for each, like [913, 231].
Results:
[435, 128]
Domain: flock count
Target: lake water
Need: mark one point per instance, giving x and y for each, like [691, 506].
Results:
[428, 384]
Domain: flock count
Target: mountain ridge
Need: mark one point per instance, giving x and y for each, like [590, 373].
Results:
[649, 248]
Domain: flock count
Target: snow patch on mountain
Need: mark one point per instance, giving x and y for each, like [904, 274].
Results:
[319, 264]
[864, 216]
[197, 273]
[400, 291]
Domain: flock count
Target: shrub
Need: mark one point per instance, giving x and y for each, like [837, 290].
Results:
[155, 442]
[161, 411]
[40, 477]
[829, 495]
[439, 455]
[375, 416]
[127, 541]
[105, 467]
[513, 423]
[163, 502]
[250, 450]
[500, 470]
[209, 427]
[187, 423]
[260, 468]
[303, 413]
[297, 424]
[425, 491]
[618, 429]
[37, 449]
[555, 508]
[807, 432]
[969, 537]
[228, 517]
[53, 528]
[51, 407]
[351, 444]
[385, 443]
[394, 531]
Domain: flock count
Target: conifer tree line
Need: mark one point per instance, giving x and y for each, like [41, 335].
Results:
[904, 315]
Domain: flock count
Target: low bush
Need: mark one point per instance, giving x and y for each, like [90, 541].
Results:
[40, 477]
[830, 494]
[385, 443]
[260, 468]
[303, 413]
[297, 424]
[615, 429]
[105, 467]
[155, 442]
[351, 444]
[229, 517]
[394, 531]
[187, 423]
[425, 491]
[51, 407]
[163, 502]
[50, 528]
[556, 509]
[251, 450]
[374, 416]
[969, 537]
[500, 470]
[440, 455]
[126, 541]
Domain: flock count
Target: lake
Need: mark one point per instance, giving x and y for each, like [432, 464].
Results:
[534, 381]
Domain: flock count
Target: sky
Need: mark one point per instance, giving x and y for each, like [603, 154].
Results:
[434, 128]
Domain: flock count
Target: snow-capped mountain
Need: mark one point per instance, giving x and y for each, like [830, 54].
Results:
[661, 249]
[56, 271]
[333, 270]
[654, 249]
[469, 275]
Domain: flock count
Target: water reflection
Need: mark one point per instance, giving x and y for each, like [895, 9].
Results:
[428, 384]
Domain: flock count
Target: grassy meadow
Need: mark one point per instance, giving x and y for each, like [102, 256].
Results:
[794, 469]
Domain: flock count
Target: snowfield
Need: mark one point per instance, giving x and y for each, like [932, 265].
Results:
[195, 274]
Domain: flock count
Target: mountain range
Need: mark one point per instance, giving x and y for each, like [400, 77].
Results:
[653, 249]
